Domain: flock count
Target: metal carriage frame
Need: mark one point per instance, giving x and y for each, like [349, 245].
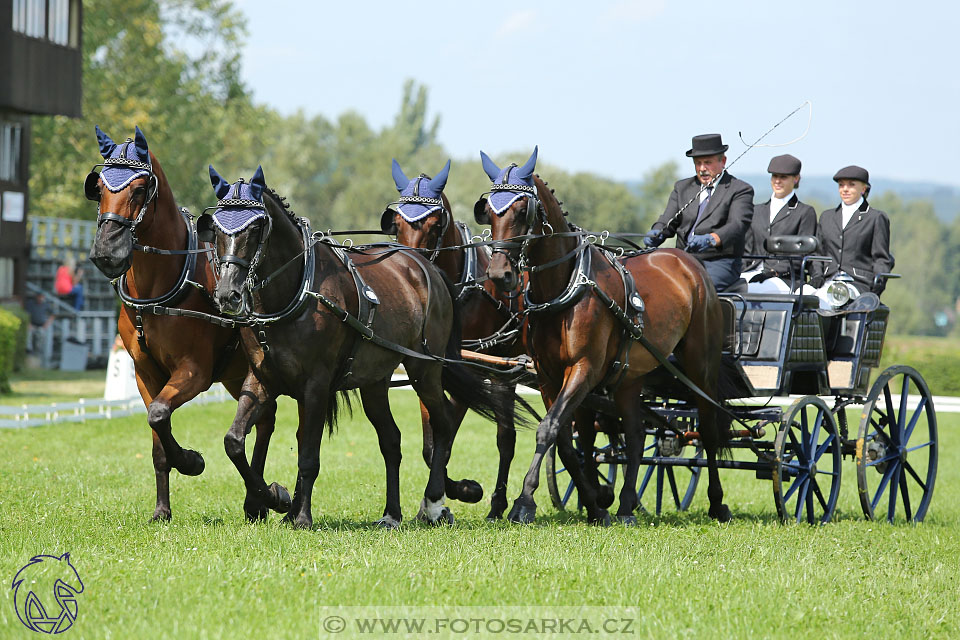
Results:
[783, 346]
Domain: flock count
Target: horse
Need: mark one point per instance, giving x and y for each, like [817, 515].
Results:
[321, 320]
[423, 219]
[149, 248]
[580, 346]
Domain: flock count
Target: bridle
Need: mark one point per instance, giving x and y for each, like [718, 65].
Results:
[250, 284]
[389, 227]
[91, 189]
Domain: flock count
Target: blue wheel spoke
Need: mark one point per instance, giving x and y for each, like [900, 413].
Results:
[882, 487]
[920, 446]
[905, 493]
[802, 496]
[912, 472]
[894, 485]
[798, 451]
[913, 420]
[793, 489]
[648, 472]
[817, 424]
[888, 400]
[818, 493]
[902, 415]
[823, 447]
[659, 504]
[673, 487]
[887, 458]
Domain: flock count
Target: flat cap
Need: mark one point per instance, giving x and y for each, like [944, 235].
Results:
[785, 164]
[853, 172]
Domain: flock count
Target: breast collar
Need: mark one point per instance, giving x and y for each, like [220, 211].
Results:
[576, 287]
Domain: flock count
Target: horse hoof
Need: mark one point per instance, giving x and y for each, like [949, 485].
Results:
[522, 513]
[721, 514]
[192, 464]
[605, 496]
[602, 519]
[161, 515]
[628, 521]
[254, 510]
[388, 522]
[468, 491]
[280, 497]
[300, 521]
[434, 512]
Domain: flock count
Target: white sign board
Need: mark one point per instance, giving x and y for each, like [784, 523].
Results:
[12, 206]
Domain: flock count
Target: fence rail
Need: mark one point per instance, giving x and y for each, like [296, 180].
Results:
[36, 415]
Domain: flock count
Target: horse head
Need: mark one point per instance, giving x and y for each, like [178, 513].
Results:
[41, 582]
[124, 189]
[511, 210]
[422, 214]
[239, 228]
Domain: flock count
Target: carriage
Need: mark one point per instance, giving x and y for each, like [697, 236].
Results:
[784, 345]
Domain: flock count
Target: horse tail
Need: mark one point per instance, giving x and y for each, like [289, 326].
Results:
[489, 398]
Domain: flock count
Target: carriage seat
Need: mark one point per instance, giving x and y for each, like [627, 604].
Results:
[791, 245]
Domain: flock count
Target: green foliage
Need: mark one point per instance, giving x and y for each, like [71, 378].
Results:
[10, 330]
[937, 360]
[20, 351]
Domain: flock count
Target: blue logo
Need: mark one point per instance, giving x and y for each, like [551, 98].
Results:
[45, 593]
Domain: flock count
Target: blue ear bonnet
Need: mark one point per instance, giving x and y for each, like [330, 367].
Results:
[125, 162]
[500, 199]
[422, 195]
[240, 204]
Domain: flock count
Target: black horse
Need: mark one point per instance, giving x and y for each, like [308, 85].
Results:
[324, 319]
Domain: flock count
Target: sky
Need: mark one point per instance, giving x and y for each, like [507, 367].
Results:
[618, 87]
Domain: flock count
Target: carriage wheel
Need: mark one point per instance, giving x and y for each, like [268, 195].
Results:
[806, 479]
[679, 482]
[897, 447]
[560, 484]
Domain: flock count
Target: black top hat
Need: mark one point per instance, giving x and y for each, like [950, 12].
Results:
[708, 144]
[785, 164]
[853, 172]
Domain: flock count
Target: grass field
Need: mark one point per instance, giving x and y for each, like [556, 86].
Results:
[88, 489]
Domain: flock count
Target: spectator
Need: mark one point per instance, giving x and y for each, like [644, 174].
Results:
[67, 283]
[41, 317]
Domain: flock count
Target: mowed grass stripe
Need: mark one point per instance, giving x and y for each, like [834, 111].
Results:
[88, 489]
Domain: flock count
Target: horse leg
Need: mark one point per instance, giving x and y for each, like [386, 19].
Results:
[629, 401]
[572, 394]
[253, 507]
[585, 421]
[506, 446]
[430, 391]
[464, 490]
[182, 386]
[312, 412]
[252, 402]
[376, 406]
[162, 471]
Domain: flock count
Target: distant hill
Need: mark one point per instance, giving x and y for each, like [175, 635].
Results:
[822, 189]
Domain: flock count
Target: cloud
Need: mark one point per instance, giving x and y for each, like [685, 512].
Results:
[516, 22]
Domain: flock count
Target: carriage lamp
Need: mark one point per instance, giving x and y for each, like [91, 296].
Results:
[841, 291]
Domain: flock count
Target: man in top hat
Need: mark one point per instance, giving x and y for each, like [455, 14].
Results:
[715, 210]
[782, 215]
[856, 237]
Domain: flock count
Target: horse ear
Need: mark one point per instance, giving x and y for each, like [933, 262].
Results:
[440, 181]
[220, 186]
[140, 142]
[257, 183]
[399, 178]
[106, 144]
[524, 172]
[491, 169]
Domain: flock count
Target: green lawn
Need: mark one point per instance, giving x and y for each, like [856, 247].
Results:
[88, 489]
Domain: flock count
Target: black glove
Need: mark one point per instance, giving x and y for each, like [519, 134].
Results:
[653, 238]
[766, 274]
[816, 281]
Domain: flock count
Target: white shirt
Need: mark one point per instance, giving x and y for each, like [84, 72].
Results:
[777, 205]
[847, 211]
[706, 193]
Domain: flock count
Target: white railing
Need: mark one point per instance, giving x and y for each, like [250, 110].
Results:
[35, 415]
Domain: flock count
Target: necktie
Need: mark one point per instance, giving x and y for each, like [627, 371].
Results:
[700, 210]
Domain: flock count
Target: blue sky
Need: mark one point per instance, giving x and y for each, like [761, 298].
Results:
[619, 87]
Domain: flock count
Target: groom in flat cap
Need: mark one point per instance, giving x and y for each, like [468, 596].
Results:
[713, 226]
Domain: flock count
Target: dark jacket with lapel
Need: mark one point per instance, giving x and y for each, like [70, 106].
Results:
[795, 219]
[861, 249]
[728, 214]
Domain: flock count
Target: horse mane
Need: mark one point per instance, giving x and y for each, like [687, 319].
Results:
[281, 203]
[548, 199]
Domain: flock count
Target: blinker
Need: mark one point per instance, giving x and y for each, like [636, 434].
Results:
[91, 186]
[480, 212]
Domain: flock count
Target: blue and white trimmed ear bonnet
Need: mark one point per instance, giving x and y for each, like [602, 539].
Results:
[509, 184]
[123, 163]
[240, 203]
[420, 196]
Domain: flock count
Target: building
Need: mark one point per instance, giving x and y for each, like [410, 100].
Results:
[40, 74]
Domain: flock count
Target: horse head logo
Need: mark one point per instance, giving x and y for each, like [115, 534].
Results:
[45, 593]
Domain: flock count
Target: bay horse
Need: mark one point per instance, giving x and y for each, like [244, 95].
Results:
[576, 340]
[149, 248]
[423, 219]
[322, 320]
